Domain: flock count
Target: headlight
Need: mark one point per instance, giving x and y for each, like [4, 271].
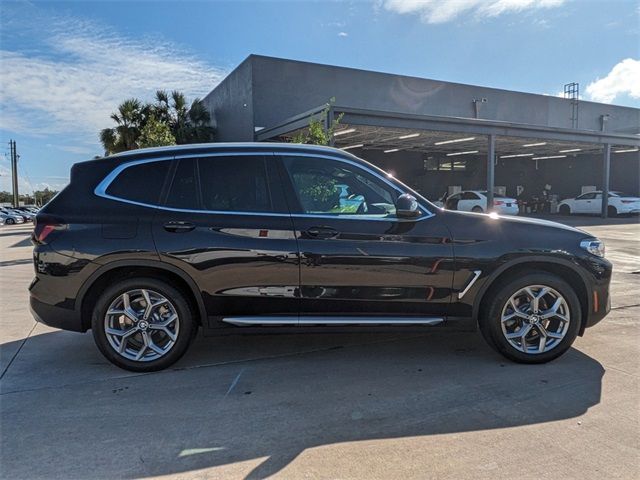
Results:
[593, 246]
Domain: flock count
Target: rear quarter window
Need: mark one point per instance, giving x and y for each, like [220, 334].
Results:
[140, 183]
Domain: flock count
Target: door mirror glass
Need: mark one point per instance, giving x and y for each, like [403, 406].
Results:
[407, 206]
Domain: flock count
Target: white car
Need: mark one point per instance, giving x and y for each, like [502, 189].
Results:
[591, 202]
[476, 201]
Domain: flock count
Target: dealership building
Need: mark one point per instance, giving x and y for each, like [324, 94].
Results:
[437, 136]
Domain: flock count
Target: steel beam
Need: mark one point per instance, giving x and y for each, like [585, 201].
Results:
[491, 167]
[606, 173]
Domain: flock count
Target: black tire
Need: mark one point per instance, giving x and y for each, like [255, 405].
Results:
[491, 314]
[477, 209]
[612, 211]
[10, 221]
[565, 210]
[186, 317]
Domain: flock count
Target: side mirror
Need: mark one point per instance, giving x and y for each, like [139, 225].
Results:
[407, 206]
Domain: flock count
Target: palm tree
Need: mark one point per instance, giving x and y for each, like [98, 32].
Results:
[199, 121]
[129, 119]
[187, 124]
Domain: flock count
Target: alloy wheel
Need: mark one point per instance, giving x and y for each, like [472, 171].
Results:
[141, 325]
[535, 319]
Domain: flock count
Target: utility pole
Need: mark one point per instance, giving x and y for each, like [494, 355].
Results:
[14, 173]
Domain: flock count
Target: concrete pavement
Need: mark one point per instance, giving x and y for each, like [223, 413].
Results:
[440, 405]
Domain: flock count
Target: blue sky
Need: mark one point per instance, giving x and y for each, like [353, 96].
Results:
[66, 65]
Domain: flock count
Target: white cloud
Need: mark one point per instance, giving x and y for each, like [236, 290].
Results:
[437, 11]
[623, 79]
[28, 184]
[85, 72]
[343, 34]
[79, 149]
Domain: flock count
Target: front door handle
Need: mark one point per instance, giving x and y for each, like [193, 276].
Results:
[179, 227]
[322, 232]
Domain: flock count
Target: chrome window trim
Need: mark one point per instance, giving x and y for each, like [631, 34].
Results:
[101, 188]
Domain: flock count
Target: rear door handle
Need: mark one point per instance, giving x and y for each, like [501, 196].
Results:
[322, 232]
[179, 227]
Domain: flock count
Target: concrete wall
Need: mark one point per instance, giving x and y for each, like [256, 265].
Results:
[284, 88]
[231, 105]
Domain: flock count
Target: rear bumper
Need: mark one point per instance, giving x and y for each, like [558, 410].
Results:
[631, 210]
[54, 290]
[56, 317]
[504, 210]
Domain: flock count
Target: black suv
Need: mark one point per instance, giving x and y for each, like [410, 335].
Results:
[145, 247]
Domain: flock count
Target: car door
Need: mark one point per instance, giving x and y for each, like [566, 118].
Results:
[452, 202]
[360, 259]
[225, 223]
[583, 203]
[594, 206]
[469, 200]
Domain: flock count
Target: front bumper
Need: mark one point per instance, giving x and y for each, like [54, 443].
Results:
[600, 307]
[599, 297]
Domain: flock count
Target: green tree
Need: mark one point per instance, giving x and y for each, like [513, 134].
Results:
[155, 134]
[189, 124]
[130, 119]
[43, 196]
[6, 197]
[316, 133]
[186, 124]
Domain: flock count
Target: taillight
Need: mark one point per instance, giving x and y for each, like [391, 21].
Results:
[44, 226]
[628, 201]
[498, 202]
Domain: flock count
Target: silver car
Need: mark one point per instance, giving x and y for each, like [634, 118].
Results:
[11, 218]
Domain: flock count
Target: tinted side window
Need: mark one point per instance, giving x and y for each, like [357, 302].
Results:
[469, 196]
[324, 186]
[235, 183]
[587, 196]
[183, 192]
[140, 183]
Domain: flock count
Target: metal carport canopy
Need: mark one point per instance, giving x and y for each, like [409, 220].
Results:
[358, 116]
[489, 128]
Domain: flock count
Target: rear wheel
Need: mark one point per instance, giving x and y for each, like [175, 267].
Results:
[142, 324]
[565, 210]
[612, 211]
[532, 318]
[10, 221]
[477, 209]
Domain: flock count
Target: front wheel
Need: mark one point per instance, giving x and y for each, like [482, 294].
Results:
[531, 319]
[565, 210]
[143, 324]
[10, 221]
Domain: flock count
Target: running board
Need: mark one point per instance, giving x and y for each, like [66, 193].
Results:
[308, 320]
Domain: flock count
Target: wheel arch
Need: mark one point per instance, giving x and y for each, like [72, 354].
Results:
[565, 204]
[563, 268]
[122, 269]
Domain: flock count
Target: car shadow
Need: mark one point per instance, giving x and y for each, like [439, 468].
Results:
[266, 399]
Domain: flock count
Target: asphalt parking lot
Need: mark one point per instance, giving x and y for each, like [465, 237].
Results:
[438, 405]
